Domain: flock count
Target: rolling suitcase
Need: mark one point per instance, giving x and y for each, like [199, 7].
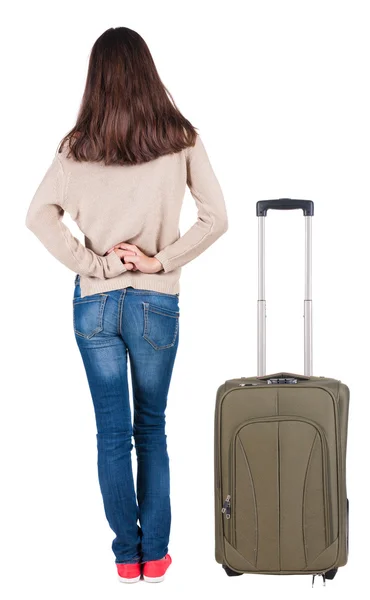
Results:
[280, 455]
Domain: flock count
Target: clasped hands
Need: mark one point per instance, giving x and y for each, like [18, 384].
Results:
[134, 259]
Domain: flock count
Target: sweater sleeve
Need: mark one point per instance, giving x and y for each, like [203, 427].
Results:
[44, 219]
[212, 219]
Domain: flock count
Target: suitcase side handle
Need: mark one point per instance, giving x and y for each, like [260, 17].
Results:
[263, 206]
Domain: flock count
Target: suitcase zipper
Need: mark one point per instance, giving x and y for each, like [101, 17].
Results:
[226, 510]
[226, 507]
[232, 524]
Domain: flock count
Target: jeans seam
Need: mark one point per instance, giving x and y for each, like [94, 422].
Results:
[163, 312]
[151, 292]
[145, 304]
[120, 308]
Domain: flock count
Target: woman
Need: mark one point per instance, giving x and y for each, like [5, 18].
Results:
[121, 173]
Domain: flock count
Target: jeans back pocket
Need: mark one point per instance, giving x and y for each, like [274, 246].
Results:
[161, 326]
[88, 315]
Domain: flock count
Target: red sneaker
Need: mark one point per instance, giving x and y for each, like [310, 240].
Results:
[128, 573]
[154, 570]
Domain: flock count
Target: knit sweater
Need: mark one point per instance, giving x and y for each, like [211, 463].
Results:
[137, 204]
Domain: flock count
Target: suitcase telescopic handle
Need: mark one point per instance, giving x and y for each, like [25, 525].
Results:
[308, 210]
[285, 204]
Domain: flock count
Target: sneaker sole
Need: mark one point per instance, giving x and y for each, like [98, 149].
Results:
[153, 579]
[129, 579]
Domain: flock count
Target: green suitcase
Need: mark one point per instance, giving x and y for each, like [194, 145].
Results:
[280, 457]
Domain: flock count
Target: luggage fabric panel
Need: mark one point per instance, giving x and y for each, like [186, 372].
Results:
[279, 504]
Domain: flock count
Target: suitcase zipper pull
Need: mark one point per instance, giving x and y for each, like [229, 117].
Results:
[226, 507]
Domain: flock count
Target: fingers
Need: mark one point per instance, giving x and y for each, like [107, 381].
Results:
[129, 255]
[132, 259]
[116, 248]
[128, 258]
[124, 253]
[130, 247]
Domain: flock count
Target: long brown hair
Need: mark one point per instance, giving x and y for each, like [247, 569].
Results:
[127, 116]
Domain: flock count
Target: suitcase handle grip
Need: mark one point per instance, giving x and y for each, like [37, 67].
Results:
[263, 206]
[283, 376]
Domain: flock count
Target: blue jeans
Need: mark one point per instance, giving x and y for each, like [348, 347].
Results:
[110, 327]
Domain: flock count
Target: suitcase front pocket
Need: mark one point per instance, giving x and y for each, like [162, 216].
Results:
[280, 513]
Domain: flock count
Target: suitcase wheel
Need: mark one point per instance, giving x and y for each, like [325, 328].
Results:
[331, 574]
[230, 572]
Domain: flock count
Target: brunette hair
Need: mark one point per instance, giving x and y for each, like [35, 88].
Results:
[127, 116]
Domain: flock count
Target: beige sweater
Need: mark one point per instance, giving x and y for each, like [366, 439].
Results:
[137, 204]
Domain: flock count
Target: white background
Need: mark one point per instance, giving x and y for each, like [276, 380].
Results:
[279, 92]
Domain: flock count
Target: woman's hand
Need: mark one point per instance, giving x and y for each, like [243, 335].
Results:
[135, 259]
[121, 254]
